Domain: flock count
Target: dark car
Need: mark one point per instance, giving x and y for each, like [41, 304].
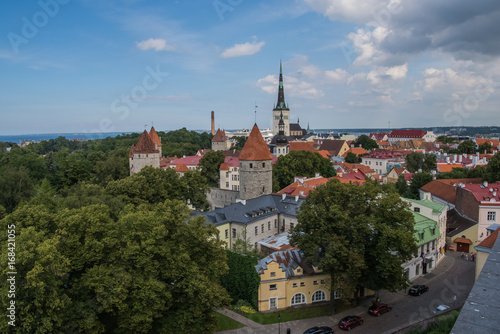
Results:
[379, 308]
[319, 330]
[417, 290]
[350, 322]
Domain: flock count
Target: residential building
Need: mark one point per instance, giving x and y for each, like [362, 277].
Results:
[191, 162]
[461, 232]
[380, 136]
[287, 279]
[303, 185]
[382, 161]
[180, 169]
[404, 135]
[444, 190]
[335, 148]
[481, 203]
[255, 219]
[281, 108]
[393, 175]
[229, 174]
[483, 251]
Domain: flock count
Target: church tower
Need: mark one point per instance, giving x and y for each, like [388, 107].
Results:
[281, 107]
[279, 144]
[256, 171]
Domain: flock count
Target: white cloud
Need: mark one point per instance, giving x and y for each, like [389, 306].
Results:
[158, 44]
[245, 49]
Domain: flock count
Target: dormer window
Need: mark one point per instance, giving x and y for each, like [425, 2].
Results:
[416, 209]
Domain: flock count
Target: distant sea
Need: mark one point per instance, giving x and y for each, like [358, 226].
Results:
[47, 136]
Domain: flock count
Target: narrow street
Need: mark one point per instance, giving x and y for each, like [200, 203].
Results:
[453, 275]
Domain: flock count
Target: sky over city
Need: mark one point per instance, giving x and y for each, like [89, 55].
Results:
[120, 66]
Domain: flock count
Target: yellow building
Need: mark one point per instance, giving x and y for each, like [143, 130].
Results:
[287, 280]
[484, 250]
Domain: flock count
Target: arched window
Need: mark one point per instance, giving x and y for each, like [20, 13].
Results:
[319, 296]
[298, 298]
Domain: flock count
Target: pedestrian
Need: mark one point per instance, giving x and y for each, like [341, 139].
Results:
[466, 257]
[455, 300]
[463, 255]
[473, 256]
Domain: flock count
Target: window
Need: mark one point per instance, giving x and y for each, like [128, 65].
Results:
[294, 285]
[299, 270]
[315, 282]
[273, 304]
[268, 226]
[273, 274]
[299, 298]
[262, 228]
[337, 295]
[227, 184]
[491, 216]
[263, 165]
[273, 287]
[227, 174]
[302, 284]
[291, 226]
[276, 223]
[227, 234]
[318, 296]
[251, 165]
[416, 209]
[256, 230]
[234, 233]
[322, 281]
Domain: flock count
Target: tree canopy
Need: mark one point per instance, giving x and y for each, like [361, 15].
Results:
[417, 160]
[360, 235]
[492, 173]
[210, 164]
[467, 146]
[366, 142]
[299, 163]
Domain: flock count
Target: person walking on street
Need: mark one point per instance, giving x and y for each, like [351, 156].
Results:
[466, 257]
[473, 256]
[455, 302]
[463, 255]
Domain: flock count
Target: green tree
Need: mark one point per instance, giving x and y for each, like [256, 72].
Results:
[365, 142]
[485, 148]
[402, 186]
[352, 158]
[15, 186]
[417, 181]
[352, 232]
[209, 165]
[444, 139]
[417, 160]
[196, 189]
[241, 281]
[300, 163]
[467, 146]
[240, 142]
[492, 173]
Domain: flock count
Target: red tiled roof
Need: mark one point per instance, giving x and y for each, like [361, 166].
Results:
[302, 146]
[463, 241]
[407, 134]
[490, 240]
[231, 161]
[224, 166]
[154, 137]
[144, 145]
[443, 168]
[445, 188]
[192, 160]
[483, 194]
[181, 168]
[305, 186]
[356, 150]
[220, 136]
[255, 148]
[494, 142]
[324, 154]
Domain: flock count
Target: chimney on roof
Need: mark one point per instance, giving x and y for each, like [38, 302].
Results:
[494, 194]
[434, 177]
[485, 183]
[474, 160]
[296, 198]
[465, 155]
[460, 159]
[213, 124]
[283, 196]
[316, 175]
[484, 160]
[447, 160]
[454, 157]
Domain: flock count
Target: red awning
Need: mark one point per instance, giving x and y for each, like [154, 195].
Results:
[463, 241]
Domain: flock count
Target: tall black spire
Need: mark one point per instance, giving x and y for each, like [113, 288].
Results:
[281, 94]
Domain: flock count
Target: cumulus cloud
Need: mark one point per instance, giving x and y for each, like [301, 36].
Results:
[245, 49]
[158, 44]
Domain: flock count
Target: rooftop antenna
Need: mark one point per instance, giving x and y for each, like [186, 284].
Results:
[256, 106]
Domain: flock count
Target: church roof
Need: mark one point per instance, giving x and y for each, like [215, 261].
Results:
[220, 136]
[145, 145]
[255, 148]
[154, 137]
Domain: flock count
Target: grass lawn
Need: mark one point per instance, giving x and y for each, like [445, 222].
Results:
[296, 314]
[224, 323]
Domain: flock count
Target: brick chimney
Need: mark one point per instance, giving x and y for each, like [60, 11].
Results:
[213, 124]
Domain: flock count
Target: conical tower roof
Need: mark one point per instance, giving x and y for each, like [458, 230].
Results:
[154, 137]
[144, 145]
[255, 148]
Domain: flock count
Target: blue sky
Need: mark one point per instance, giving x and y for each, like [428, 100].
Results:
[101, 66]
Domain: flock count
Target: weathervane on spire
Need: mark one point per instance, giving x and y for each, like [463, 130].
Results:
[256, 106]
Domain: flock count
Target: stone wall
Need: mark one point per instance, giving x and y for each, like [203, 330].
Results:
[219, 198]
[256, 178]
[141, 160]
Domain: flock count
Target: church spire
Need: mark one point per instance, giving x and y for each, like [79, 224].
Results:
[281, 95]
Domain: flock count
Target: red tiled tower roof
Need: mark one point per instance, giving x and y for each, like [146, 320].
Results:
[145, 145]
[181, 168]
[154, 137]
[220, 135]
[255, 148]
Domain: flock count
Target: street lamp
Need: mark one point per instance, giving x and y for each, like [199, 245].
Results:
[279, 323]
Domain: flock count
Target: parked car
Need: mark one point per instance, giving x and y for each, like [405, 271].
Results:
[379, 308]
[350, 321]
[319, 330]
[417, 290]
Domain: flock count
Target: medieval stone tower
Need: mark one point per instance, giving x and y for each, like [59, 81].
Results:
[281, 108]
[255, 167]
[147, 152]
[219, 141]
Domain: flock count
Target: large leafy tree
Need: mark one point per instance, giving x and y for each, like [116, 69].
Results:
[492, 173]
[417, 160]
[15, 186]
[209, 165]
[355, 232]
[153, 269]
[366, 142]
[467, 146]
[299, 163]
[485, 148]
[352, 158]
[417, 181]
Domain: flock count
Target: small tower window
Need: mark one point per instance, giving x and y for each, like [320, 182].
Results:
[263, 165]
[251, 165]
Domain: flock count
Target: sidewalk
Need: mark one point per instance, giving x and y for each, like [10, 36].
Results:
[385, 296]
